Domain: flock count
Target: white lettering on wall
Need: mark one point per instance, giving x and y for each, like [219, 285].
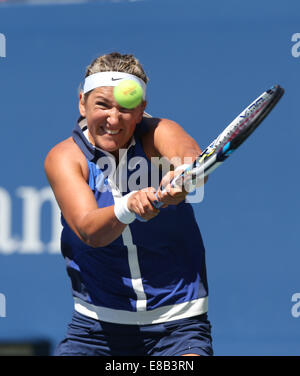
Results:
[7, 243]
[29, 242]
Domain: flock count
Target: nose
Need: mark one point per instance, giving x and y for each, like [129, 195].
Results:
[113, 116]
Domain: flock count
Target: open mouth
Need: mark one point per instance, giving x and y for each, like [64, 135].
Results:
[111, 132]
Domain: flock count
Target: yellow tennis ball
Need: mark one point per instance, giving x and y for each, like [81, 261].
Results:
[128, 94]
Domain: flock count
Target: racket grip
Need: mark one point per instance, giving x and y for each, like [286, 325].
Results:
[157, 204]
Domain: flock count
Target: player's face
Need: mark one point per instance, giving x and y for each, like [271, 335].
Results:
[110, 126]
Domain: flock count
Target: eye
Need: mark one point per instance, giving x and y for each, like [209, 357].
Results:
[102, 104]
[125, 110]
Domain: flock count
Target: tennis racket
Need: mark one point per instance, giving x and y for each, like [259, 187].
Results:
[228, 140]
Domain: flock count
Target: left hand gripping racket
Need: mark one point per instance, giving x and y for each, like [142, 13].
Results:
[228, 140]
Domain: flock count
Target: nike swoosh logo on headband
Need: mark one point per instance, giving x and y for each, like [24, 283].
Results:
[116, 79]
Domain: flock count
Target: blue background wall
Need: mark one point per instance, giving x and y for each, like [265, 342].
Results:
[206, 61]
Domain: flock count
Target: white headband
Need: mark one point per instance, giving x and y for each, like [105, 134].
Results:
[110, 79]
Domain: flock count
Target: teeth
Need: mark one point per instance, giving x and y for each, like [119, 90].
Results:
[112, 132]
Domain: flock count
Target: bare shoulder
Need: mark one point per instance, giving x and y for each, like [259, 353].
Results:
[157, 126]
[155, 122]
[160, 130]
[65, 154]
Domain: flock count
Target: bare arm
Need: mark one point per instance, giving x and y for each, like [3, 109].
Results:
[168, 139]
[172, 141]
[64, 167]
[67, 173]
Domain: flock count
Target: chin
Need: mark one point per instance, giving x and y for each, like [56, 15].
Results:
[110, 147]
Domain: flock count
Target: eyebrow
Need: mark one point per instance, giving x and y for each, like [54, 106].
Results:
[102, 98]
[106, 101]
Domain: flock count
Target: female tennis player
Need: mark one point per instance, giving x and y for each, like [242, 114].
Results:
[139, 287]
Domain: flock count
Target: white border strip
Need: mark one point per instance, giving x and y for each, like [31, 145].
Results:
[135, 273]
[158, 315]
[137, 283]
